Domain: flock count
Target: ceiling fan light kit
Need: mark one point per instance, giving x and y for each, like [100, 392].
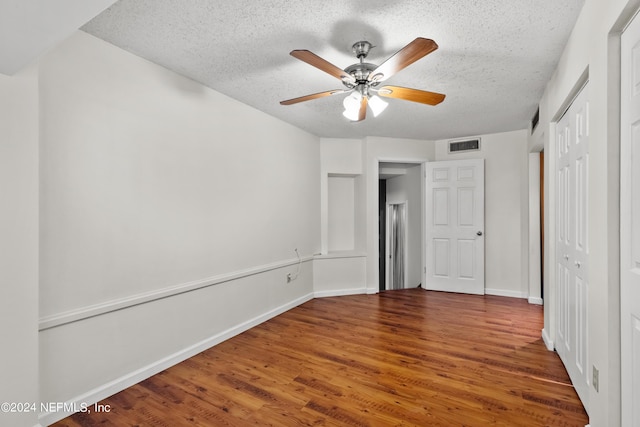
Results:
[362, 79]
[377, 105]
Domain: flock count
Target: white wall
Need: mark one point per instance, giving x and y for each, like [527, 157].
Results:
[339, 158]
[360, 159]
[408, 188]
[506, 202]
[341, 218]
[19, 244]
[340, 268]
[169, 213]
[28, 28]
[339, 273]
[592, 52]
[506, 209]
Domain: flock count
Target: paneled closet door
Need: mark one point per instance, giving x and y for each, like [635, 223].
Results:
[572, 278]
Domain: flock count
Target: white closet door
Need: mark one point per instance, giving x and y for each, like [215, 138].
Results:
[572, 269]
[630, 225]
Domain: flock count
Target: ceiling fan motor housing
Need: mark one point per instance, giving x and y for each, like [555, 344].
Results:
[360, 72]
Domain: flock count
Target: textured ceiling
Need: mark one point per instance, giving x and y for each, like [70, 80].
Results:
[494, 60]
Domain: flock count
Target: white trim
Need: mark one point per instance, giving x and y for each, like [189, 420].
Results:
[75, 315]
[536, 300]
[339, 293]
[128, 380]
[340, 254]
[547, 340]
[505, 293]
[573, 94]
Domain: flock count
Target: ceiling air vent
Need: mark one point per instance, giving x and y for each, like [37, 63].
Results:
[466, 145]
[535, 120]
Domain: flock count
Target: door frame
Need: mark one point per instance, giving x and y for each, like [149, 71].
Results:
[536, 222]
[376, 176]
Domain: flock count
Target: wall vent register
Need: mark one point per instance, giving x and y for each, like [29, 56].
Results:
[535, 120]
[466, 145]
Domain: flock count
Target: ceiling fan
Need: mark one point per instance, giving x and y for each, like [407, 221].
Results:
[362, 79]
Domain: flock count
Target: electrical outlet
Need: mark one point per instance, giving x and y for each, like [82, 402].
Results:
[595, 380]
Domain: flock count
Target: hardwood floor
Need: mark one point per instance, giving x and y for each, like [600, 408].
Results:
[398, 358]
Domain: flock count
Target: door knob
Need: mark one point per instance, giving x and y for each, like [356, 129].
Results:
[479, 233]
[566, 257]
[578, 264]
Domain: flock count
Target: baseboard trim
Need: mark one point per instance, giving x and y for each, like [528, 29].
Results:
[119, 384]
[547, 340]
[82, 313]
[339, 293]
[505, 293]
[536, 301]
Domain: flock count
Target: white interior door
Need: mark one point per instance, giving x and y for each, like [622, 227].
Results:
[454, 215]
[572, 280]
[630, 225]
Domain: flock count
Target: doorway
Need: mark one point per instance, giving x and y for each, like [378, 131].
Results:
[382, 233]
[401, 182]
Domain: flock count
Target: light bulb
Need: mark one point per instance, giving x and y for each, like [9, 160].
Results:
[351, 115]
[377, 105]
[352, 106]
[352, 101]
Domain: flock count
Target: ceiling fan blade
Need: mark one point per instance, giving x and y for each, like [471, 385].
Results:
[363, 109]
[406, 56]
[312, 96]
[408, 94]
[322, 64]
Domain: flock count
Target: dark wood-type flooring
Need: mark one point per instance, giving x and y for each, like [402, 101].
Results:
[398, 358]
